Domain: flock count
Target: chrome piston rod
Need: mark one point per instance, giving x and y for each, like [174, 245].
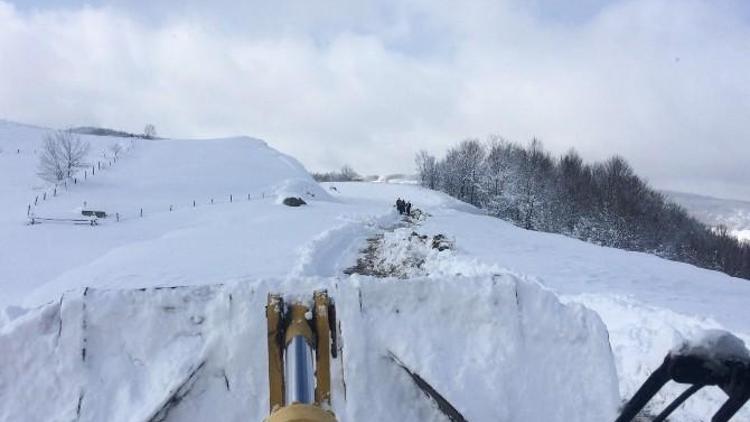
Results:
[299, 372]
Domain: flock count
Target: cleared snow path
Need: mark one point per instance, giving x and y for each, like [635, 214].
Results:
[335, 249]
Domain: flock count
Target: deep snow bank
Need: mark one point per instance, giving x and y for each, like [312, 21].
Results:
[498, 348]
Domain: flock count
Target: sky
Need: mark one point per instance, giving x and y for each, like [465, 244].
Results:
[663, 83]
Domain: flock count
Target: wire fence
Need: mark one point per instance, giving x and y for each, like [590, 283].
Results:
[92, 171]
[57, 189]
[143, 212]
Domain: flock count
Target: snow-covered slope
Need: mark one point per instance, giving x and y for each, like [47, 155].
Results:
[481, 320]
[156, 177]
[732, 213]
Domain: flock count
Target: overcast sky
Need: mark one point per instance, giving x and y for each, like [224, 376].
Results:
[666, 84]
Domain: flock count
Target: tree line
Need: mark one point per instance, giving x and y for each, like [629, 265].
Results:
[346, 174]
[603, 202]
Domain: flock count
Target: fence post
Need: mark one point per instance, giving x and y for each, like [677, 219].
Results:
[75, 181]
[248, 196]
[28, 210]
[85, 174]
[141, 212]
[36, 199]
[54, 192]
[212, 201]
[230, 198]
[117, 216]
[93, 170]
[44, 196]
[170, 208]
[193, 203]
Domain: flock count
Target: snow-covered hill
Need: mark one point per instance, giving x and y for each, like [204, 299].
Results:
[732, 213]
[162, 178]
[112, 322]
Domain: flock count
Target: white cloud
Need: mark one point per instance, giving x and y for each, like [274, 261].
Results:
[664, 83]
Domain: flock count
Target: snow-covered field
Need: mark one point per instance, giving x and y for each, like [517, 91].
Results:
[495, 324]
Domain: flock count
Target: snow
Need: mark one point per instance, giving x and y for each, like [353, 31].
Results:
[131, 366]
[742, 235]
[647, 303]
[501, 323]
[163, 247]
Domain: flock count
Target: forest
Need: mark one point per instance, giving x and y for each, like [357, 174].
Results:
[603, 202]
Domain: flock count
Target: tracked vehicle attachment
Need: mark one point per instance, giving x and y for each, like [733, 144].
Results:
[299, 366]
[732, 375]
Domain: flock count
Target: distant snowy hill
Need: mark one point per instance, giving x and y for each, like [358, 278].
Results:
[732, 213]
[163, 314]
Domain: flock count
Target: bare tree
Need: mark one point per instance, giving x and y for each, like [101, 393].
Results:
[348, 174]
[115, 149]
[149, 132]
[427, 169]
[62, 154]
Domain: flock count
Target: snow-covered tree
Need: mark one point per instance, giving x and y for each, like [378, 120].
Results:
[149, 132]
[427, 169]
[605, 203]
[63, 153]
[346, 174]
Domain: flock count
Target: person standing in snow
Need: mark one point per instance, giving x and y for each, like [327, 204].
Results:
[408, 209]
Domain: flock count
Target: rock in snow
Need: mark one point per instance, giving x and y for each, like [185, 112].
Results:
[294, 202]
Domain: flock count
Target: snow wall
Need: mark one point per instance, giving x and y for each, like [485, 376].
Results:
[498, 348]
